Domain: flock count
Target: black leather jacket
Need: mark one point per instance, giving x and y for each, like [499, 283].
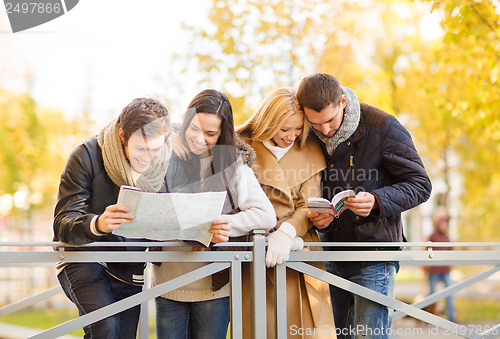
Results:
[85, 191]
[379, 158]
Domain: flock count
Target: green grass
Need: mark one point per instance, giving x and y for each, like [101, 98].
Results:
[467, 311]
[42, 320]
[470, 310]
[46, 319]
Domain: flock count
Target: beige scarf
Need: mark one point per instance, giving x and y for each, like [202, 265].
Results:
[118, 166]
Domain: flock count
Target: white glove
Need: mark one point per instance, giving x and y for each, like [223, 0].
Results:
[279, 244]
[298, 244]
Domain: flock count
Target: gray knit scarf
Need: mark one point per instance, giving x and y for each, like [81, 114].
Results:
[352, 114]
[118, 166]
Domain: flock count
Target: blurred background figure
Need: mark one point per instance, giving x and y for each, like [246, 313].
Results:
[436, 274]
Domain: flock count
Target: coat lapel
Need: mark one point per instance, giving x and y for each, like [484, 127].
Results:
[299, 164]
[267, 170]
[296, 166]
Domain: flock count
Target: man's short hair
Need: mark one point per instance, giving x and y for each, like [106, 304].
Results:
[146, 114]
[318, 91]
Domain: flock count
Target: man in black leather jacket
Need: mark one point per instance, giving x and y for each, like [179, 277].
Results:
[132, 150]
[370, 152]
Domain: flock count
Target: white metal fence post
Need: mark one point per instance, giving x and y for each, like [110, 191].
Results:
[258, 271]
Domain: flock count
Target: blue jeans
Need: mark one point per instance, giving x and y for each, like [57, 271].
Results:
[90, 287]
[355, 316]
[192, 320]
[434, 279]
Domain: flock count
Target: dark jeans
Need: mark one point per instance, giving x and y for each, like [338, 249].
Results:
[355, 316]
[90, 287]
[192, 320]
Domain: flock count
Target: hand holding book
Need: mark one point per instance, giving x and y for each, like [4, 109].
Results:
[334, 207]
[362, 204]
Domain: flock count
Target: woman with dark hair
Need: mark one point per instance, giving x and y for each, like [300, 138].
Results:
[208, 122]
[215, 160]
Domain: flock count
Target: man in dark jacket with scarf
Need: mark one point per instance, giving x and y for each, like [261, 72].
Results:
[132, 150]
[370, 152]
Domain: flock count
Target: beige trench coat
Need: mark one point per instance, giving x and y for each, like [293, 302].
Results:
[288, 183]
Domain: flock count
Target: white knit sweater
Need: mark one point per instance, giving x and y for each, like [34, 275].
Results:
[256, 212]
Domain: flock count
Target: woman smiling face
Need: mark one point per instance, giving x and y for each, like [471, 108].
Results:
[291, 130]
[203, 132]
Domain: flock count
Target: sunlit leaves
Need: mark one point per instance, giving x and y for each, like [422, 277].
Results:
[34, 145]
[441, 82]
[252, 46]
[462, 92]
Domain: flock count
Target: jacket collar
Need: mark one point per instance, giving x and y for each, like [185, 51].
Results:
[286, 173]
[359, 132]
[247, 153]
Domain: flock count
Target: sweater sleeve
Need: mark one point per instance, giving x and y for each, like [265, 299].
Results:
[256, 211]
[309, 188]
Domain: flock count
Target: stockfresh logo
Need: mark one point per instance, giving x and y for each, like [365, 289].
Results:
[31, 13]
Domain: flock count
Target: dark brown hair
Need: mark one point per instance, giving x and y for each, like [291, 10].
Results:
[146, 114]
[224, 153]
[318, 91]
[214, 102]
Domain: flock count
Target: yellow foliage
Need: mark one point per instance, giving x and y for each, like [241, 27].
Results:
[445, 90]
[34, 146]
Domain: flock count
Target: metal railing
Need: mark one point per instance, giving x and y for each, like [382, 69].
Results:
[424, 255]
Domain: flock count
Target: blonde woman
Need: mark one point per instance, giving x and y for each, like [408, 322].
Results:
[288, 167]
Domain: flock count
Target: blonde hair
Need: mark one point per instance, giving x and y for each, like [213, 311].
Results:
[272, 113]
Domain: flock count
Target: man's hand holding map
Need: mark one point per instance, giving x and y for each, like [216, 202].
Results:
[170, 216]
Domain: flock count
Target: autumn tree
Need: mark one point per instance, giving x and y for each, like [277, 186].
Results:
[455, 88]
[445, 90]
[472, 54]
[34, 144]
[252, 46]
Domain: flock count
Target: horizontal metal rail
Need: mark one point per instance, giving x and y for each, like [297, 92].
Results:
[321, 244]
[18, 254]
